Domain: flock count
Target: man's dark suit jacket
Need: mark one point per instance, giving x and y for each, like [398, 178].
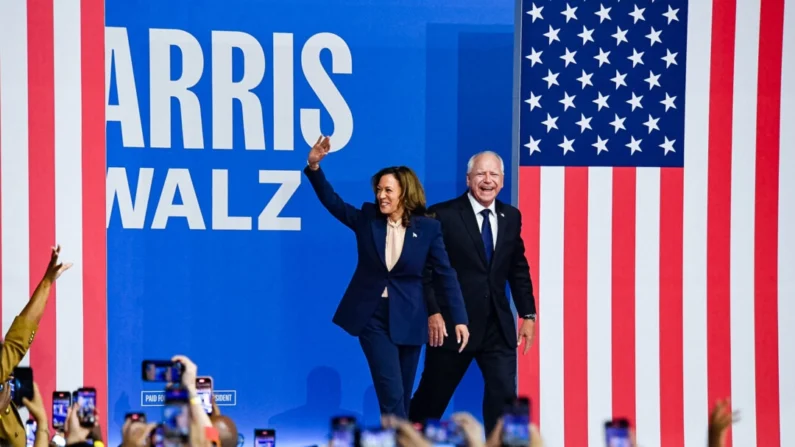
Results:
[482, 284]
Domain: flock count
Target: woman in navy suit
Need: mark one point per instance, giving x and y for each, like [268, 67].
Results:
[384, 304]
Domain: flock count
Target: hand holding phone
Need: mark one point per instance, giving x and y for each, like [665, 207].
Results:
[516, 423]
[617, 433]
[176, 415]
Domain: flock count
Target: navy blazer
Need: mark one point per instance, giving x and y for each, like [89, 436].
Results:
[423, 246]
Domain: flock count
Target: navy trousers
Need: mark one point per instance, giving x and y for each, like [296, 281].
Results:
[393, 367]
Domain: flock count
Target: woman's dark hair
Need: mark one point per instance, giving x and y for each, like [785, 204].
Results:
[412, 194]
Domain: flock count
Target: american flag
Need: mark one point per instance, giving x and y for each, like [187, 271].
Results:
[52, 184]
[657, 185]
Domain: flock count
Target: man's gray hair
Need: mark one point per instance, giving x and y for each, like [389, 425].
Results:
[471, 161]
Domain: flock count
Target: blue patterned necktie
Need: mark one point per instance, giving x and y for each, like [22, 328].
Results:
[485, 233]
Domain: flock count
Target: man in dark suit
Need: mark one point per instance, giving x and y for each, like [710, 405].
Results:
[483, 240]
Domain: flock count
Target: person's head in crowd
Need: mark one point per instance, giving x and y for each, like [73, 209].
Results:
[227, 430]
[136, 433]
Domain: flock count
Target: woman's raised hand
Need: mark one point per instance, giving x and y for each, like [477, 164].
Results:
[318, 151]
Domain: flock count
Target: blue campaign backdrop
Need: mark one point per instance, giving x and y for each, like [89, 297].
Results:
[427, 83]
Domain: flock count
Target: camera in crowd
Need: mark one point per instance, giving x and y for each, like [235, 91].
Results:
[21, 384]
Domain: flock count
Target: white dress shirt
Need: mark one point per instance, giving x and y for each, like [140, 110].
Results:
[395, 236]
[478, 208]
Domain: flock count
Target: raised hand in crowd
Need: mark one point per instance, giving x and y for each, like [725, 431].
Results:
[470, 428]
[216, 411]
[55, 268]
[136, 433]
[76, 433]
[34, 310]
[318, 152]
[405, 433]
[18, 340]
[495, 437]
[199, 420]
[39, 414]
[720, 419]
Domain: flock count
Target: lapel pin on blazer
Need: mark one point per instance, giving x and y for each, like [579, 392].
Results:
[502, 215]
[413, 234]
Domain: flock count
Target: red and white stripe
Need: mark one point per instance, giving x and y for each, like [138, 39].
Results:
[52, 183]
[663, 290]
[786, 237]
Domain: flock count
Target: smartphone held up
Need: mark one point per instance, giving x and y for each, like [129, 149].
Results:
[61, 401]
[617, 433]
[164, 371]
[516, 423]
[204, 388]
[86, 399]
